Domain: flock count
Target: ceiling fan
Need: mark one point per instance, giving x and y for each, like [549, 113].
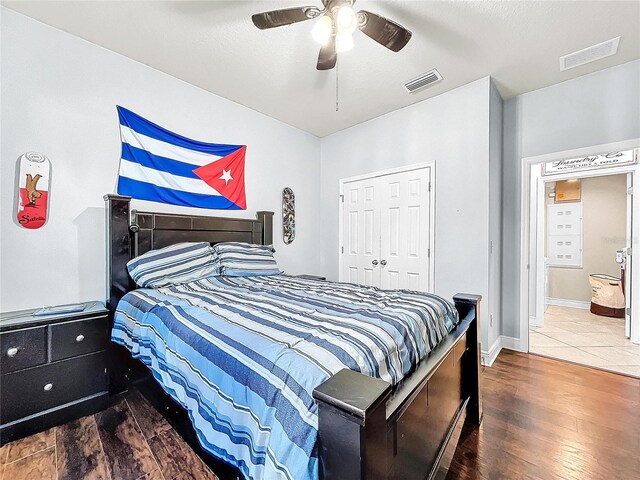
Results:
[336, 23]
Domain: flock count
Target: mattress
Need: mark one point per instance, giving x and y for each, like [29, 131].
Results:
[243, 355]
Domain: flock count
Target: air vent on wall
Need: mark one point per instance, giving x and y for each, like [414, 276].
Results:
[590, 54]
[423, 81]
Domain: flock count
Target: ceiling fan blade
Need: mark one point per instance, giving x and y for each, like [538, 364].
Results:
[384, 31]
[328, 55]
[278, 18]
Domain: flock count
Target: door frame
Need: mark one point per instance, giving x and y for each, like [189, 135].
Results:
[526, 187]
[432, 211]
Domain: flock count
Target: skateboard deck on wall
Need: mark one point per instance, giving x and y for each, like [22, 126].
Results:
[33, 190]
[288, 215]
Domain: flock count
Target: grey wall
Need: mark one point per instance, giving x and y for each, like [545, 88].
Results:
[495, 215]
[451, 130]
[595, 109]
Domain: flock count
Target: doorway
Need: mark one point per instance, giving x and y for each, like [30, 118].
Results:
[386, 228]
[581, 234]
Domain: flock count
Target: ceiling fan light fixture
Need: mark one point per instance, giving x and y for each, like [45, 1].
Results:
[346, 20]
[344, 42]
[322, 30]
[334, 26]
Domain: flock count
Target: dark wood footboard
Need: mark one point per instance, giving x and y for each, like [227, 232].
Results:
[369, 432]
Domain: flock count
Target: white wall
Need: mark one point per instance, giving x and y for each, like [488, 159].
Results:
[595, 109]
[59, 95]
[451, 130]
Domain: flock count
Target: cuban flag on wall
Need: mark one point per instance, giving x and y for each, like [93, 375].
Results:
[162, 166]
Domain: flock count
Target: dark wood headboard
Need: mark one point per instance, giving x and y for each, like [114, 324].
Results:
[131, 233]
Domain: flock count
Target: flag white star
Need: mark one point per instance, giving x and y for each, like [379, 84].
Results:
[226, 176]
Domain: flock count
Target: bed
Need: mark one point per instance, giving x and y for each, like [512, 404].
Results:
[292, 378]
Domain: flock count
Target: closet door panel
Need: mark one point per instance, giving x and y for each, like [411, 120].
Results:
[361, 232]
[404, 246]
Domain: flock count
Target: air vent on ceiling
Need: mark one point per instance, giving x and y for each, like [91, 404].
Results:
[590, 54]
[423, 81]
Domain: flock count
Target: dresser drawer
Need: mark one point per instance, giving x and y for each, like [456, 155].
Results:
[22, 349]
[40, 388]
[70, 339]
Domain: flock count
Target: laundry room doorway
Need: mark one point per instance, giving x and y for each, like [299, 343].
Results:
[582, 302]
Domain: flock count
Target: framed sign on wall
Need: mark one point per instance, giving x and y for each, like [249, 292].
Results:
[591, 162]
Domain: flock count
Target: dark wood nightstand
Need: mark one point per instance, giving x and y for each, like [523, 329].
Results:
[53, 369]
[310, 277]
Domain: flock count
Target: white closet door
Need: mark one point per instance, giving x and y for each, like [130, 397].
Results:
[361, 232]
[386, 230]
[405, 230]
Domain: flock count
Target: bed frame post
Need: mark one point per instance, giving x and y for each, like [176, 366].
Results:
[118, 248]
[266, 218]
[472, 385]
[352, 426]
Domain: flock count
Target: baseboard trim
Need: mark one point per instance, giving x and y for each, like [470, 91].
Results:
[561, 302]
[510, 343]
[488, 357]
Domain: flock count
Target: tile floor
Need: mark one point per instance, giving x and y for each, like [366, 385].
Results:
[576, 335]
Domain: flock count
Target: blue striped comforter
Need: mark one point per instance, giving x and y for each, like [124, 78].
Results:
[243, 354]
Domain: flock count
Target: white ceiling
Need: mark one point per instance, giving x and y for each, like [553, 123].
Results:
[214, 45]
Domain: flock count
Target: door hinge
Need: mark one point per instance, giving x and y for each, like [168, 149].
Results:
[630, 191]
[629, 251]
[342, 198]
[429, 186]
[341, 249]
[628, 311]
[428, 253]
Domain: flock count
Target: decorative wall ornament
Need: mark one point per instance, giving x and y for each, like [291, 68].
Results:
[34, 180]
[288, 215]
[161, 166]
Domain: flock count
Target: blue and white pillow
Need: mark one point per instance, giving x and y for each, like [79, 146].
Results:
[239, 259]
[175, 264]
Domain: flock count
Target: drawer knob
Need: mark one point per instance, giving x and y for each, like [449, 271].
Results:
[79, 338]
[12, 352]
[48, 387]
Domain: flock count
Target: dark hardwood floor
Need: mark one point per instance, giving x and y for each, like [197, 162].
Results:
[543, 420]
[128, 441]
[547, 419]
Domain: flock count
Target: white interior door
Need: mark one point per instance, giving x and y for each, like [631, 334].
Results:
[361, 232]
[628, 263]
[405, 230]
